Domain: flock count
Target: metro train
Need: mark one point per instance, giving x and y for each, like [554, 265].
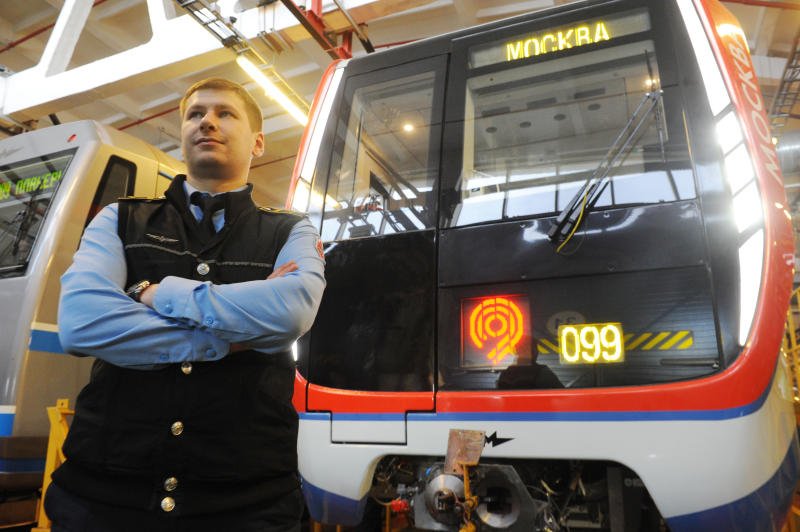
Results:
[563, 239]
[52, 182]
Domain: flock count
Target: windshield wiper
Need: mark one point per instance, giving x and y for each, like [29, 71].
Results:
[587, 195]
[23, 219]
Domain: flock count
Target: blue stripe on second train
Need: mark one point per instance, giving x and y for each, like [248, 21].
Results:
[46, 341]
[6, 424]
[22, 465]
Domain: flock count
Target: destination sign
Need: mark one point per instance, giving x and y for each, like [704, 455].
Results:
[22, 181]
[558, 38]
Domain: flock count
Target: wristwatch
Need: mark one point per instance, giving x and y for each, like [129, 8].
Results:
[135, 291]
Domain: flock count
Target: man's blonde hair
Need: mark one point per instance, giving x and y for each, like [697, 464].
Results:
[221, 84]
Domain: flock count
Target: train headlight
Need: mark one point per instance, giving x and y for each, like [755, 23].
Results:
[751, 258]
[748, 215]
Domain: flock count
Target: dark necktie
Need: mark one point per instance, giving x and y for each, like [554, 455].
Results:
[209, 204]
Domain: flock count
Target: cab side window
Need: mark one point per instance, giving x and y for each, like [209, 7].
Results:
[117, 181]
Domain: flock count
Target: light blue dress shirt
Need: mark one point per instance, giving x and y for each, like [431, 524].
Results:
[192, 320]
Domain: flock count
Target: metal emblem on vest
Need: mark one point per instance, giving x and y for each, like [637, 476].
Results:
[203, 268]
[159, 238]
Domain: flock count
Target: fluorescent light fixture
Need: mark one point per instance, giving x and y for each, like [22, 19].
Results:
[747, 207]
[272, 90]
[751, 258]
[738, 168]
[712, 78]
[729, 132]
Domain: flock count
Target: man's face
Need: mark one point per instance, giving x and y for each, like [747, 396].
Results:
[216, 136]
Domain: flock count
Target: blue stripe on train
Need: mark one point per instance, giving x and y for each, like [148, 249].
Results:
[656, 415]
[46, 341]
[6, 424]
[764, 509]
[327, 507]
[22, 465]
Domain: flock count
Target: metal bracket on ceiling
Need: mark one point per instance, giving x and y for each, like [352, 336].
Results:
[225, 31]
[312, 21]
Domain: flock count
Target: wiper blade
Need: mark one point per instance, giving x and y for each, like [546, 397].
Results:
[587, 195]
[22, 219]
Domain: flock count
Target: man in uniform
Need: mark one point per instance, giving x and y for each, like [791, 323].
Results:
[190, 303]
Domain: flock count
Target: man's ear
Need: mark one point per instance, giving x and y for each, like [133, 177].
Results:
[258, 147]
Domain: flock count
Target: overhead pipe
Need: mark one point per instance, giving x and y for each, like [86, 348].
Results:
[137, 122]
[273, 161]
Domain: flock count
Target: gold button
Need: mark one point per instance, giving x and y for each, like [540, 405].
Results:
[167, 504]
[186, 368]
[203, 268]
[177, 428]
[170, 484]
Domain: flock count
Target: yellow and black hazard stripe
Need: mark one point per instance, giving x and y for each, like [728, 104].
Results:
[645, 341]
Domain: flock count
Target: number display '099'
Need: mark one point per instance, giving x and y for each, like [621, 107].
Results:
[591, 343]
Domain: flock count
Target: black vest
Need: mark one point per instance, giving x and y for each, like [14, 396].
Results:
[237, 440]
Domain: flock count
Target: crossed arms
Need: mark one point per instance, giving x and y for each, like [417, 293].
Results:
[189, 320]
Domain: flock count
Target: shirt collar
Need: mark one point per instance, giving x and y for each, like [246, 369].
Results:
[236, 201]
[189, 190]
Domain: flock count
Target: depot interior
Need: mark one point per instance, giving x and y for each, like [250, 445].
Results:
[293, 43]
[144, 102]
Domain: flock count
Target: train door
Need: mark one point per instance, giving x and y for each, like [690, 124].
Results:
[375, 329]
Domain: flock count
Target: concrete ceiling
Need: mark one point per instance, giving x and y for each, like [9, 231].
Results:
[114, 26]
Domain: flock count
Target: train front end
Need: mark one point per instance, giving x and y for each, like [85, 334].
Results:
[568, 232]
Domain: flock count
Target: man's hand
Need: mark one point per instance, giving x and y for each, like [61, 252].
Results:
[148, 294]
[283, 269]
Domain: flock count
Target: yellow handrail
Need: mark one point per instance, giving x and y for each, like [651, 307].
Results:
[55, 456]
[791, 342]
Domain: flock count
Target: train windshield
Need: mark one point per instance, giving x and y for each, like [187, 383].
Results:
[535, 130]
[26, 191]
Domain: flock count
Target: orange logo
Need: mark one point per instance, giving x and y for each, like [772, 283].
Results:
[496, 322]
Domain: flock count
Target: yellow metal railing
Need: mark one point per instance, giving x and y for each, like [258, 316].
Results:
[791, 343]
[55, 457]
[791, 350]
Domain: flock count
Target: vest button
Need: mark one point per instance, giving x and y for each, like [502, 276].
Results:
[170, 484]
[203, 268]
[176, 428]
[186, 368]
[167, 504]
